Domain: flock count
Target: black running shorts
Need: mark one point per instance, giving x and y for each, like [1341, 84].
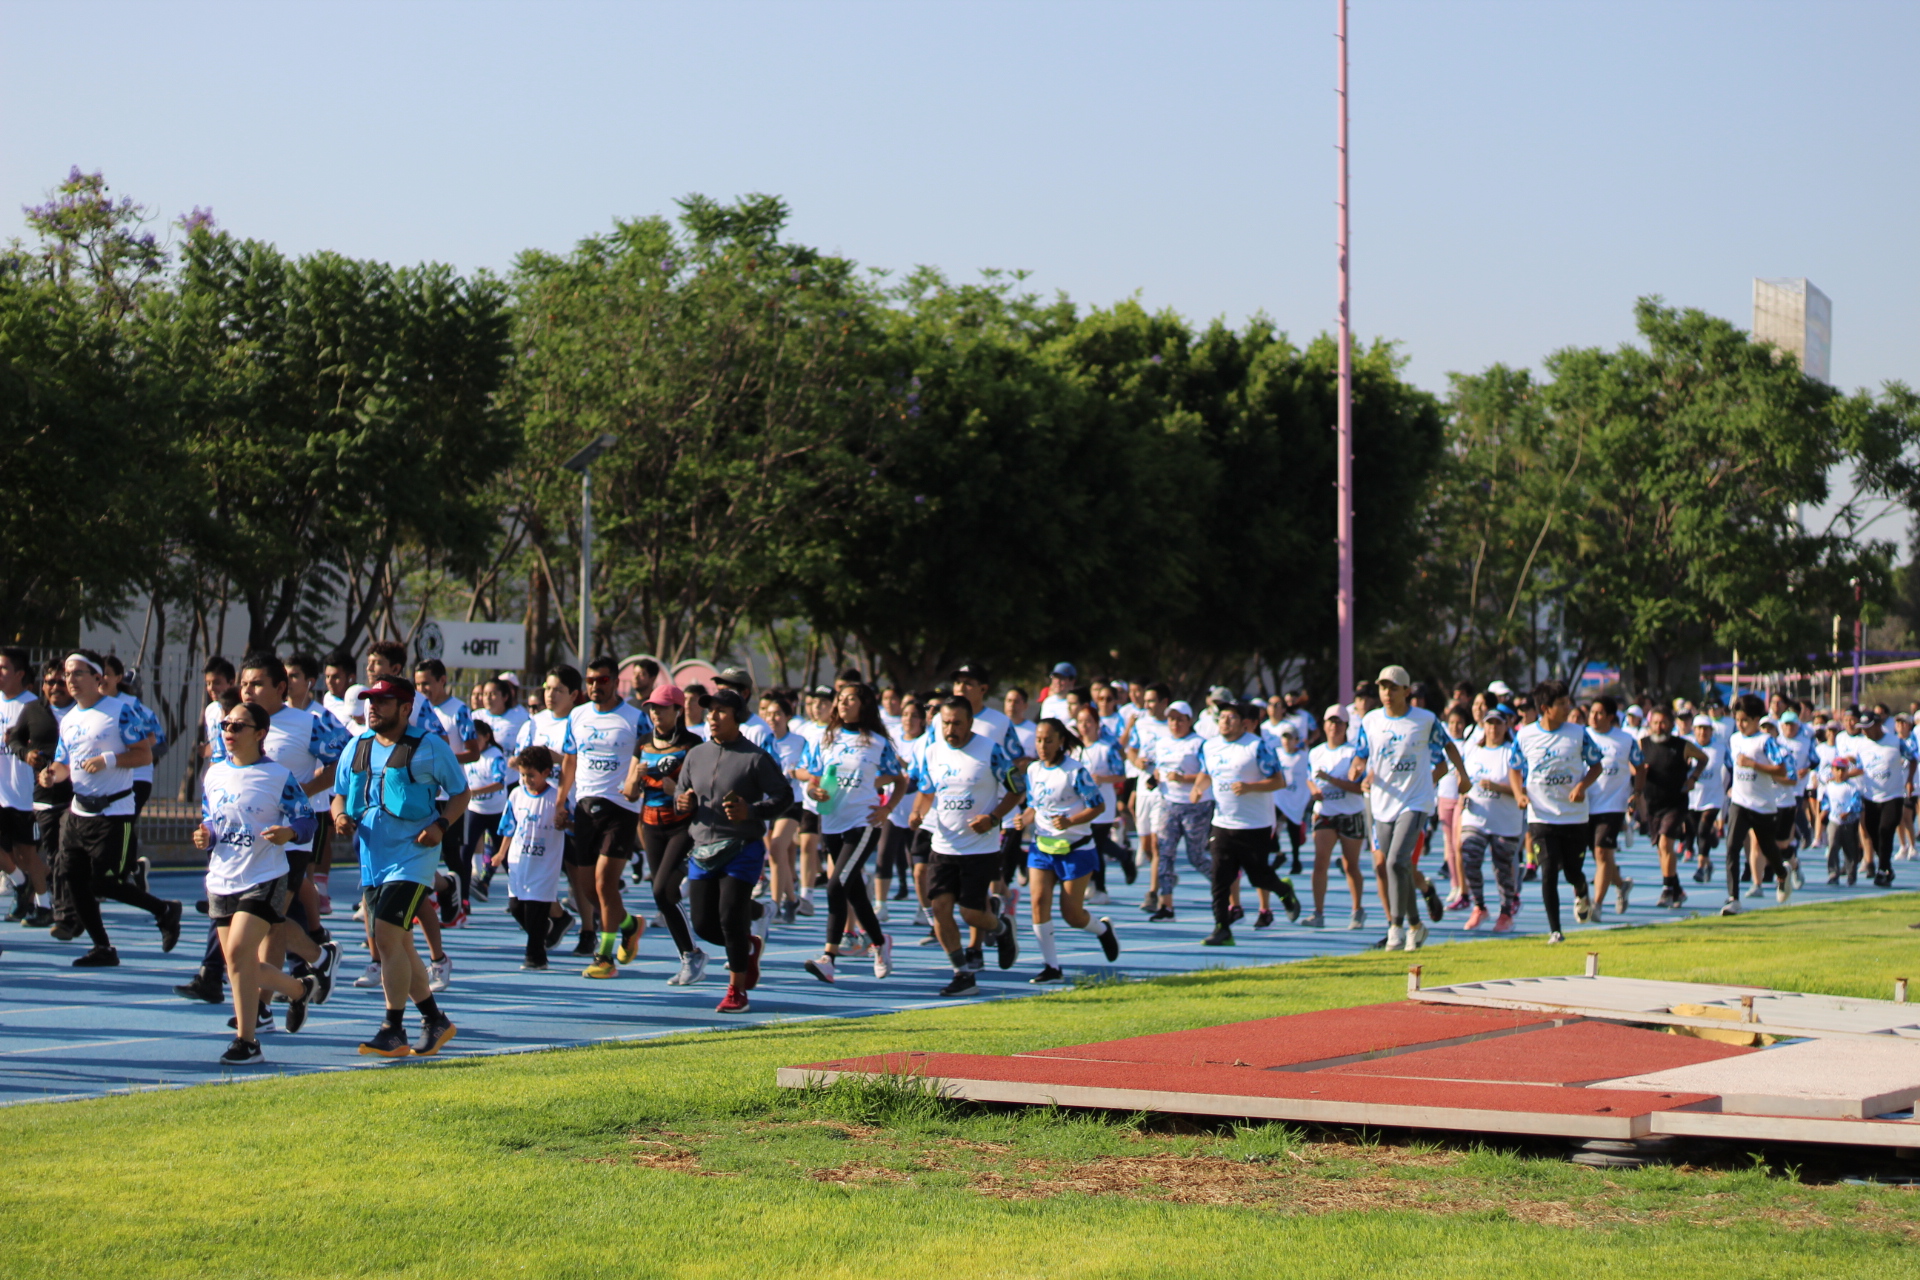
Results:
[396, 902]
[967, 878]
[16, 828]
[1606, 830]
[268, 900]
[602, 829]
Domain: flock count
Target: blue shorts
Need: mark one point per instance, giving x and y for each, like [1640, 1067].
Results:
[746, 865]
[1072, 865]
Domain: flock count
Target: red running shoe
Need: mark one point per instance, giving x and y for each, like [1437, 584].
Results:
[735, 1001]
[756, 946]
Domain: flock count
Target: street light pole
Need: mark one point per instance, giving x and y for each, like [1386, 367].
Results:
[582, 462]
[1343, 476]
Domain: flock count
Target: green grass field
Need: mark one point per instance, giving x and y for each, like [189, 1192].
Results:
[679, 1157]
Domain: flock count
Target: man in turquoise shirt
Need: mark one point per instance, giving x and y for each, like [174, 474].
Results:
[384, 789]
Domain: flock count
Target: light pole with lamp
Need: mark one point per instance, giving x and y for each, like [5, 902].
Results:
[582, 463]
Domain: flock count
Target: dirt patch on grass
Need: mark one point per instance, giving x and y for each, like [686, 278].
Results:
[659, 1153]
[859, 1173]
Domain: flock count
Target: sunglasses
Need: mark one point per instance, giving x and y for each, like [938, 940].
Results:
[235, 726]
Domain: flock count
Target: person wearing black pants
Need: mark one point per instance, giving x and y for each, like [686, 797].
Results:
[1559, 846]
[1765, 828]
[1761, 768]
[666, 833]
[1560, 763]
[1239, 772]
[1235, 852]
[731, 789]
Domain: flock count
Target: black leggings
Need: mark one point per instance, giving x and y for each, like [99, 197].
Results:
[1701, 824]
[666, 849]
[723, 914]
[1880, 823]
[1763, 825]
[101, 872]
[1559, 846]
[1105, 845]
[479, 828]
[849, 852]
[1013, 853]
[534, 919]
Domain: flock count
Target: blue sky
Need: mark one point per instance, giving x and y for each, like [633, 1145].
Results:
[1522, 171]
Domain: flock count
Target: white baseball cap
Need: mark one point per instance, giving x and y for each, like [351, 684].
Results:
[1181, 708]
[1500, 687]
[1336, 712]
[1396, 674]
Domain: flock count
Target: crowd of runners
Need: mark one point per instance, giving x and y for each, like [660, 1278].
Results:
[609, 803]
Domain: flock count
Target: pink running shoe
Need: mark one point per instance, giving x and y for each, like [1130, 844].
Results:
[1503, 924]
[1478, 918]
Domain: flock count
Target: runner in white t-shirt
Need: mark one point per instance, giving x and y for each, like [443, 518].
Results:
[1561, 763]
[1610, 798]
[19, 844]
[1406, 750]
[1241, 772]
[1339, 818]
[1490, 818]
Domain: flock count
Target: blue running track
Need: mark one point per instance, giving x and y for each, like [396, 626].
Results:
[74, 1033]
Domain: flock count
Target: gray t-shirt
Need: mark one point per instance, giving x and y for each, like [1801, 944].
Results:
[713, 770]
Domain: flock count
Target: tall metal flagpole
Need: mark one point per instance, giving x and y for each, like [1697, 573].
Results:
[1343, 526]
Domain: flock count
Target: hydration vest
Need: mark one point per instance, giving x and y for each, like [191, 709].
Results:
[401, 794]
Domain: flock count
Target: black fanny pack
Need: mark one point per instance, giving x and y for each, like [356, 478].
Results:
[718, 854]
[94, 806]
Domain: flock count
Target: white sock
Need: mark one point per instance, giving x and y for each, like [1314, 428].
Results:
[806, 894]
[1043, 930]
[17, 878]
[1093, 926]
[320, 884]
[44, 899]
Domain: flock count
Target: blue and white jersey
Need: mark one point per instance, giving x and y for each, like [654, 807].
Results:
[910, 753]
[550, 731]
[604, 742]
[992, 724]
[849, 764]
[789, 751]
[1801, 744]
[1328, 761]
[964, 782]
[1482, 808]
[1291, 801]
[506, 730]
[1103, 758]
[1027, 734]
[109, 725]
[456, 721]
[303, 743]
[1619, 757]
[533, 847]
[16, 777]
[1056, 791]
[1140, 737]
[1752, 789]
[1247, 758]
[1555, 760]
[1883, 762]
[1840, 796]
[1710, 791]
[490, 768]
[1167, 756]
[239, 802]
[144, 773]
[1401, 754]
[335, 727]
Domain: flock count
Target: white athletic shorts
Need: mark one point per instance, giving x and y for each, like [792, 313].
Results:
[1148, 804]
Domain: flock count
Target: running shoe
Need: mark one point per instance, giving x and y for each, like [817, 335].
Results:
[1048, 974]
[787, 913]
[1264, 920]
[588, 943]
[883, 957]
[1701, 872]
[1731, 907]
[1359, 920]
[323, 972]
[370, 977]
[602, 967]
[445, 905]
[1236, 913]
[976, 959]
[242, 1053]
[141, 869]
[534, 964]
[483, 887]
[98, 958]
[557, 927]
[920, 920]
[434, 1035]
[803, 906]
[1665, 900]
[1222, 936]
[1621, 889]
[1755, 890]
[1416, 936]
[1150, 903]
[1783, 891]
[1164, 913]
[297, 1008]
[735, 1001]
[1532, 872]
[822, 968]
[1799, 880]
[1290, 901]
[1109, 940]
[1098, 898]
[1475, 918]
[1556, 936]
[1314, 921]
[203, 986]
[169, 922]
[963, 984]
[1834, 878]
[38, 918]
[1457, 903]
[1504, 923]
[1679, 899]
[902, 890]
[1396, 938]
[880, 911]
[262, 1019]
[693, 967]
[1007, 941]
[1582, 909]
[630, 933]
[756, 947]
[931, 940]
[439, 974]
[22, 901]
[1435, 908]
[763, 924]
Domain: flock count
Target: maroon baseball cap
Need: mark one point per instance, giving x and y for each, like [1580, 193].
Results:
[390, 687]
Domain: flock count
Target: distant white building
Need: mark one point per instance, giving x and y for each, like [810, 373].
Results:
[1796, 317]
